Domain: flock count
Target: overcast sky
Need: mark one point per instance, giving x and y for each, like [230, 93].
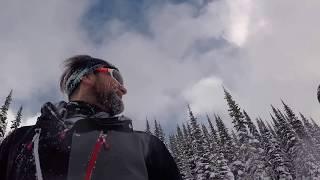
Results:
[170, 52]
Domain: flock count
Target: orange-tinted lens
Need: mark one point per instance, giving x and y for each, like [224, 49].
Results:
[115, 74]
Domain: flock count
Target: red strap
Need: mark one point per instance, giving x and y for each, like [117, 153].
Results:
[94, 156]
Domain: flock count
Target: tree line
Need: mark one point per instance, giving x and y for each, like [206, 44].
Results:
[282, 148]
[15, 123]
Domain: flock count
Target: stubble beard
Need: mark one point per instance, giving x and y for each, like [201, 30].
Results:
[111, 102]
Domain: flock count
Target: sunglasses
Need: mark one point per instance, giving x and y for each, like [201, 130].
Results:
[115, 74]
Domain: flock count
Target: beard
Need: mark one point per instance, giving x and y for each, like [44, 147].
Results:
[111, 102]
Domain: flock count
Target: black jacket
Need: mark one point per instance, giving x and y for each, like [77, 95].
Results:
[77, 141]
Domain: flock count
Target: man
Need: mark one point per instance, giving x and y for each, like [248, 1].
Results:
[84, 138]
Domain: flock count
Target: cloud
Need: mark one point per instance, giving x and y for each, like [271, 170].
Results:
[206, 95]
[261, 50]
[240, 12]
[35, 37]
[282, 58]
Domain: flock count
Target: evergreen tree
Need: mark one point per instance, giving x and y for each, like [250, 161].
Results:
[214, 134]
[3, 115]
[274, 155]
[173, 147]
[252, 128]
[148, 129]
[222, 168]
[161, 133]
[206, 134]
[235, 138]
[304, 164]
[313, 134]
[228, 148]
[17, 121]
[272, 131]
[296, 123]
[186, 135]
[308, 142]
[184, 154]
[250, 162]
[195, 131]
[204, 168]
[315, 125]
[189, 152]
[156, 129]
[306, 123]
[238, 120]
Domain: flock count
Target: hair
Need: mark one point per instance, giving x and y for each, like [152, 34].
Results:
[77, 66]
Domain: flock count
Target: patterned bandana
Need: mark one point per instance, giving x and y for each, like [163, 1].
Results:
[75, 77]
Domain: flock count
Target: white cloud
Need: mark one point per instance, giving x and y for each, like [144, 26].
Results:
[206, 95]
[240, 14]
[35, 37]
[269, 50]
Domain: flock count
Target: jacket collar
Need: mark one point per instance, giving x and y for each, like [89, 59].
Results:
[64, 115]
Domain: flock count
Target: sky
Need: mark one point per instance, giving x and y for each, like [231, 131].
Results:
[170, 52]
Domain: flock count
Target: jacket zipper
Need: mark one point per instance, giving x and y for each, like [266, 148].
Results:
[101, 141]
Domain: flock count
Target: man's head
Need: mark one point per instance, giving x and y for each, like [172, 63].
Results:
[94, 81]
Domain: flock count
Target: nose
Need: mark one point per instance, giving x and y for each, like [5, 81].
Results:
[122, 89]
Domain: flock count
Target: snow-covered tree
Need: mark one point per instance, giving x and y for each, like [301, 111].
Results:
[304, 164]
[17, 121]
[228, 148]
[173, 147]
[3, 115]
[148, 129]
[189, 151]
[156, 131]
[162, 135]
[235, 138]
[204, 167]
[296, 123]
[213, 131]
[274, 155]
[315, 125]
[270, 129]
[250, 161]
[252, 127]
[314, 134]
[221, 169]
[183, 155]
[238, 119]
[309, 143]
[306, 123]
[206, 134]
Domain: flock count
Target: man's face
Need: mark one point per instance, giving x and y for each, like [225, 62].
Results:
[109, 93]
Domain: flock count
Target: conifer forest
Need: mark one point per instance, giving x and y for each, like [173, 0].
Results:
[285, 147]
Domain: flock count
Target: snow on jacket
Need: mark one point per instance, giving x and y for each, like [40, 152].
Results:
[76, 140]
